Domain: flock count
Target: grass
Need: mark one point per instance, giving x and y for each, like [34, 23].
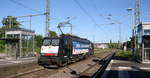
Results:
[99, 50]
[121, 54]
[2, 50]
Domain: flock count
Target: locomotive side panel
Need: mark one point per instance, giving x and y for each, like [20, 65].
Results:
[80, 47]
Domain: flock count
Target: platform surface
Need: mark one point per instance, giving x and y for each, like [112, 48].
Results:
[12, 61]
[127, 69]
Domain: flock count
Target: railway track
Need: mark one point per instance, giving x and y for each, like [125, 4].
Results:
[43, 72]
[83, 68]
[37, 73]
[104, 65]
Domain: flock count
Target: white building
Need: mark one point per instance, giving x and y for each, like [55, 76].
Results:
[101, 45]
[143, 42]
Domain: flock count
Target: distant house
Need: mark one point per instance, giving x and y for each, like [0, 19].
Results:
[101, 45]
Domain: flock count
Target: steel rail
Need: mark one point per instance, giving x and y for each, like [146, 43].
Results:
[101, 70]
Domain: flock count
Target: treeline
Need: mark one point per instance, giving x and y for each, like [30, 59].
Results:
[128, 44]
[115, 45]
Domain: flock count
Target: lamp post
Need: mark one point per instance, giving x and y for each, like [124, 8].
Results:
[131, 9]
[133, 27]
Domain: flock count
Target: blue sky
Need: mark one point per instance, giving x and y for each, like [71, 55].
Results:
[85, 17]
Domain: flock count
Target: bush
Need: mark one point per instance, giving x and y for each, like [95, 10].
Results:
[2, 46]
[124, 54]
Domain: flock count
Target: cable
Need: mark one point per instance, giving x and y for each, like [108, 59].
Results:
[92, 19]
[22, 5]
[119, 23]
[94, 6]
[84, 11]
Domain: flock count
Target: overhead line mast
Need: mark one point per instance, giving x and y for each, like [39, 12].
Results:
[137, 12]
[137, 20]
[47, 18]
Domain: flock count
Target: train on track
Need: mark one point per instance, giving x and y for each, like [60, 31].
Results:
[63, 50]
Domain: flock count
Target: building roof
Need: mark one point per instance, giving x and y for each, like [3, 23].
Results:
[20, 29]
[10, 39]
[146, 23]
[144, 26]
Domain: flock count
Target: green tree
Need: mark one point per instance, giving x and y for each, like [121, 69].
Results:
[52, 34]
[2, 32]
[10, 22]
[38, 42]
[2, 43]
[38, 39]
[114, 45]
[130, 44]
[2, 47]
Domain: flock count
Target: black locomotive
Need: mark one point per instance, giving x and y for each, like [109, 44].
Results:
[63, 50]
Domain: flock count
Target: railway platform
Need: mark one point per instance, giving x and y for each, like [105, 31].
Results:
[11, 61]
[126, 69]
[11, 66]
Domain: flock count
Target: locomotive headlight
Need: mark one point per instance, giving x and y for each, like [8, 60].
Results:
[65, 56]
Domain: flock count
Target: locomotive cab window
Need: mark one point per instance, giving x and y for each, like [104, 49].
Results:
[53, 42]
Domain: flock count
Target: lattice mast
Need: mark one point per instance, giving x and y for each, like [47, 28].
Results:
[47, 18]
[137, 12]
